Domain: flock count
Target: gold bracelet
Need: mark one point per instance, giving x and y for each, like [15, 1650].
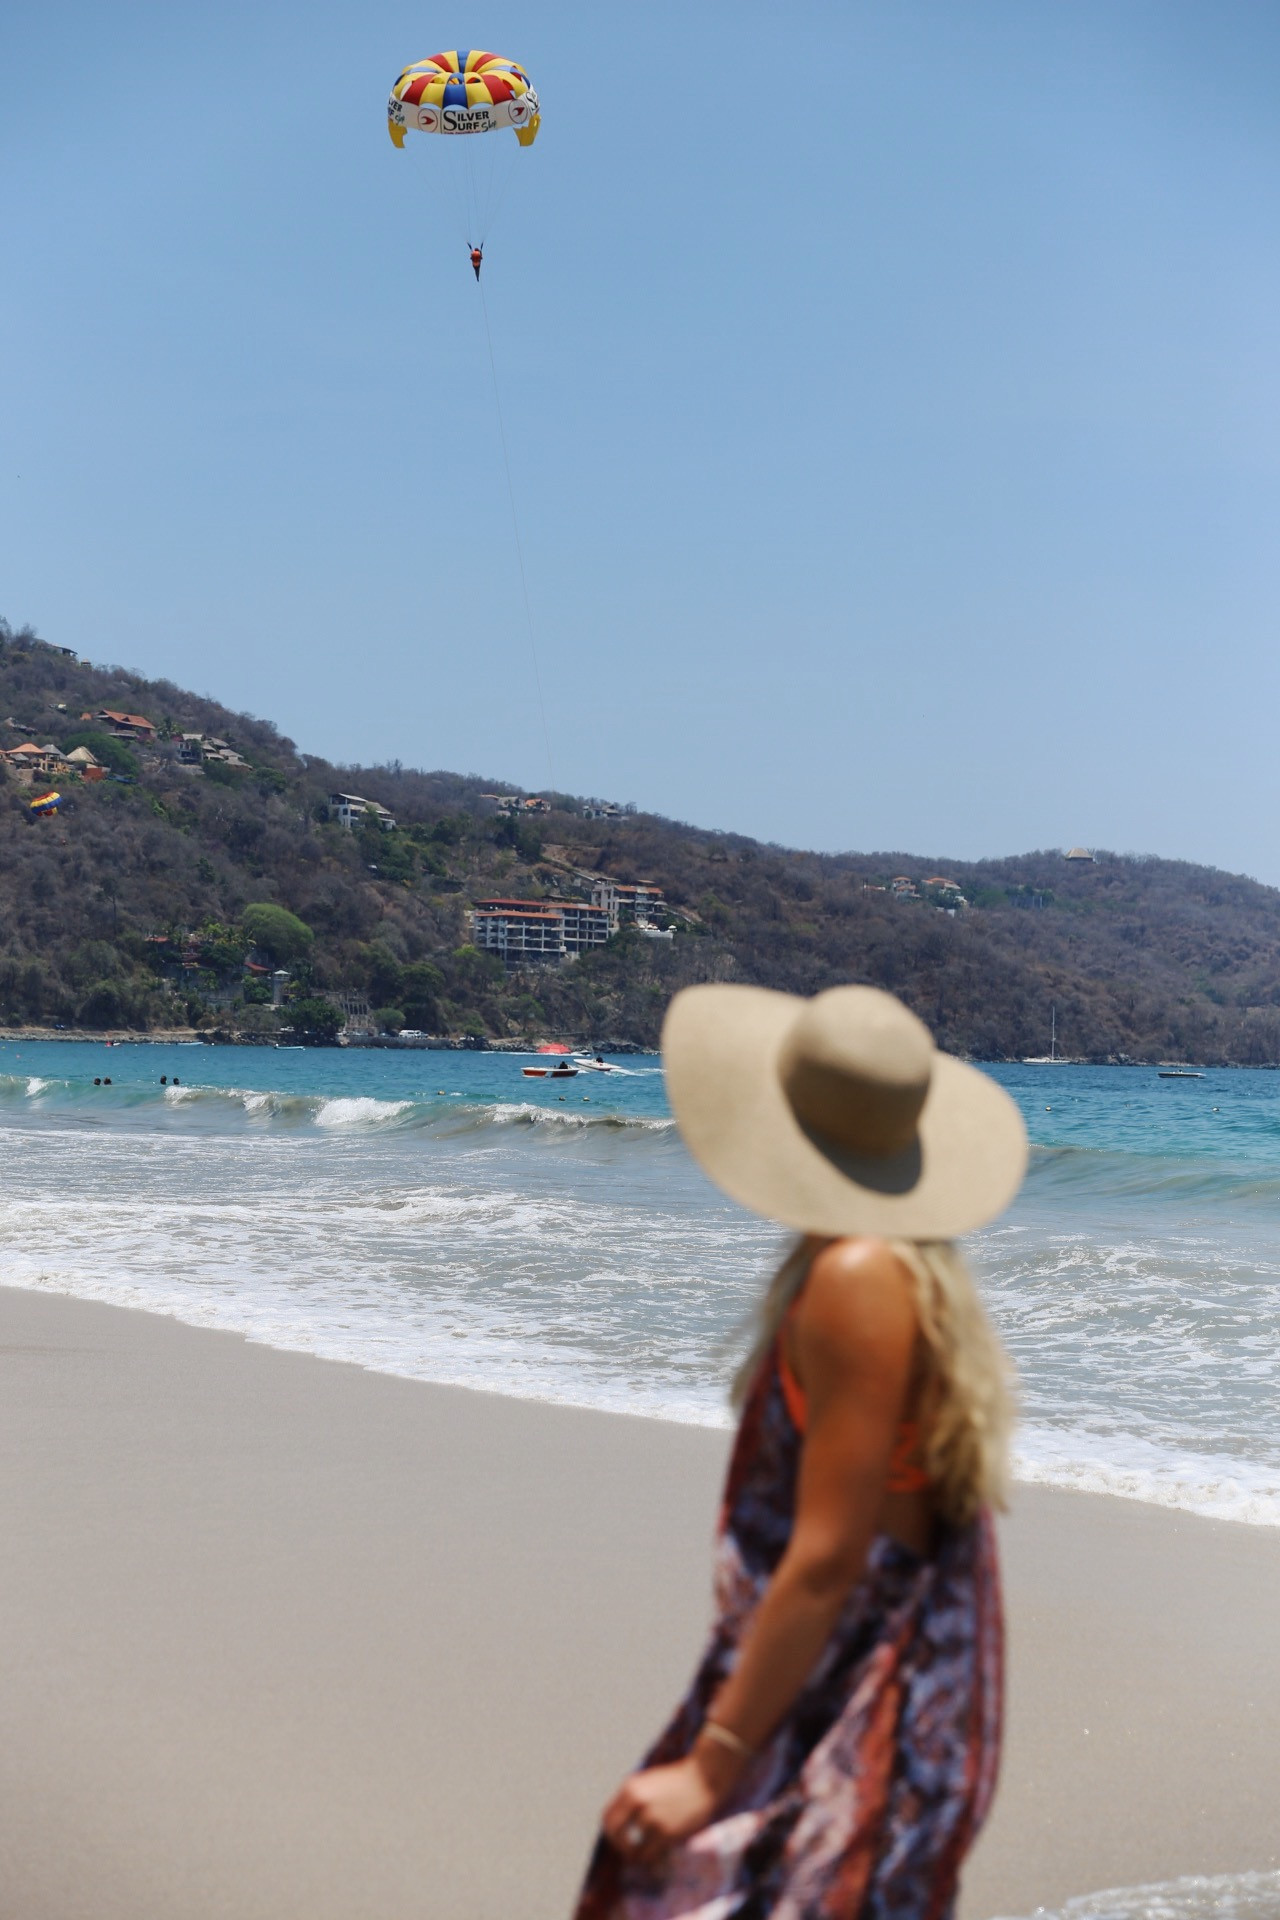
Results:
[728, 1738]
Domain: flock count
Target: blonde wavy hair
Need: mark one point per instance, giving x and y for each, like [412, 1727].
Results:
[967, 1407]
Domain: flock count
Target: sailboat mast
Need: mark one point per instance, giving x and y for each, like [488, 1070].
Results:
[1053, 1031]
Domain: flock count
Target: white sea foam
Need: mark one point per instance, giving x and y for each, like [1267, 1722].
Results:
[360, 1111]
[1236, 1896]
[1129, 1467]
[35, 1085]
[528, 1113]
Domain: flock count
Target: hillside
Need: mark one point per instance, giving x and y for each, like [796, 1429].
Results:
[127, 908]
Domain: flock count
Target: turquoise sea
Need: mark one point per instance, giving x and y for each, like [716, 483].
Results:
[438, 1215]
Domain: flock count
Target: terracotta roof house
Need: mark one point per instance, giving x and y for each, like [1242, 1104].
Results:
[33, 759]
[128, 726]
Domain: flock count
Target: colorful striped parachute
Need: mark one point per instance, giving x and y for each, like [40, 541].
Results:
[465, 92]
[46, 803]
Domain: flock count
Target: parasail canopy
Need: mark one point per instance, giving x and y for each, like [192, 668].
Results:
[461, 93]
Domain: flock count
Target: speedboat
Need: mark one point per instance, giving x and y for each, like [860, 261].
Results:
[558, 1072]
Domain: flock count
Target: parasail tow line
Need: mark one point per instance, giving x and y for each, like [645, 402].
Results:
[515, 528]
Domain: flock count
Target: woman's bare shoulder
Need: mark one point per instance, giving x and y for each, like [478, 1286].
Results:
[859, 1290]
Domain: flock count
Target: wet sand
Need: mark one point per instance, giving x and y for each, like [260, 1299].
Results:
[288, 1637]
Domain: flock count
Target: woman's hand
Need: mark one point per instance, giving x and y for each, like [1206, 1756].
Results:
[652, 1810]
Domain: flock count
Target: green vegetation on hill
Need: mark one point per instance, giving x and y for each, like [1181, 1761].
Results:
[167, 895]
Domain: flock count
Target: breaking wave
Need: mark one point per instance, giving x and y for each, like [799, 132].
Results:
[227, 1109]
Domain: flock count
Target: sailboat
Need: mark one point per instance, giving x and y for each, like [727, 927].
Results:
[1053, 1058]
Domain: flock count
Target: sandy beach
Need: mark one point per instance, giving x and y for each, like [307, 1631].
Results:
[285, 1636]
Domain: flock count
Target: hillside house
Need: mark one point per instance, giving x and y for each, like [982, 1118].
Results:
[602, 810]
[86, 764]
[127, 726]
[1082, 855]
[197, 749]
[516, 803]
[350, 809]
[633, 905]
[46, 762]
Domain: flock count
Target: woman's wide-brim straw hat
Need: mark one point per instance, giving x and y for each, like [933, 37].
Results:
[838, 1115]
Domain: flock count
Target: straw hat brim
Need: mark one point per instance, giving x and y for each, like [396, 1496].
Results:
[721, 1045]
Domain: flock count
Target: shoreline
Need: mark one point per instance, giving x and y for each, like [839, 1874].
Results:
[300, 1636]
[464, 1043]
[1130, 1486]
[224, 1037]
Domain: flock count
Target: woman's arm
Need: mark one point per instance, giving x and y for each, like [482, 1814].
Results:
[854, 1334]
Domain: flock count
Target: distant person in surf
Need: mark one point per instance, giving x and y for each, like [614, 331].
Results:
[836, 1752]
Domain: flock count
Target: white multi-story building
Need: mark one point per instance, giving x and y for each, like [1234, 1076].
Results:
[626, 903]
[520, 932]
[349, 809]
[537, 931]
[584, 927]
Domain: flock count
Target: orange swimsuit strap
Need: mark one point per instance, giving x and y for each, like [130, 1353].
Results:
[906, 1474]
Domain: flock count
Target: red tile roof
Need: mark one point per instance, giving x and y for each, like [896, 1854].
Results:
[517, 913]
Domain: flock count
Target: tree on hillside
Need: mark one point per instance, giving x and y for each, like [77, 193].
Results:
[105, 748]
[314, 1021]
[279, 933]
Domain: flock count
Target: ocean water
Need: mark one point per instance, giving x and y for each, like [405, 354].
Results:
[440, 1216]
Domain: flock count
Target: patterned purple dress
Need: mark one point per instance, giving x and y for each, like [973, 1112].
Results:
[871, 1791]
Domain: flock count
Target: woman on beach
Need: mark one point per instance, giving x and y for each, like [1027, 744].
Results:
[836, 1752]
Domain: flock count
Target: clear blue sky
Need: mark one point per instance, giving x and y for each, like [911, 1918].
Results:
[893, 390]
